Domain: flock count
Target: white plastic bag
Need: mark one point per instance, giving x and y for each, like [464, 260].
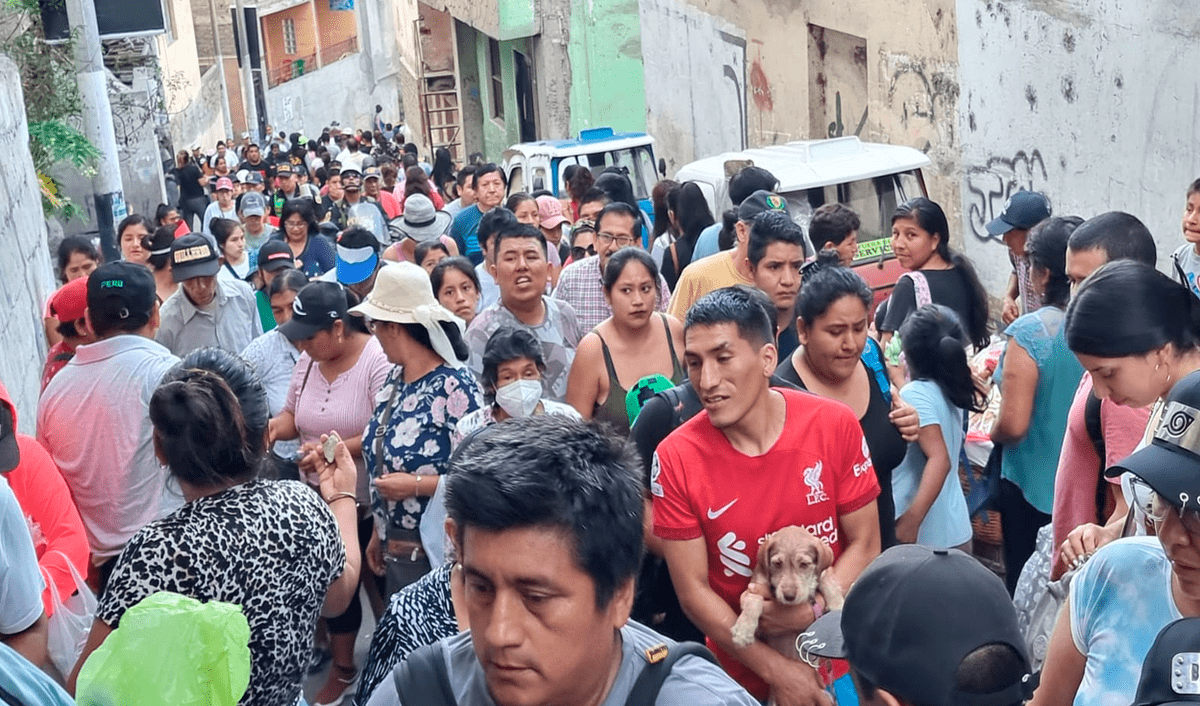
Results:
[71, 622]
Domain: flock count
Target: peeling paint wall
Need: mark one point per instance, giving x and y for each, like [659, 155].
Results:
[695, 81]
[1083, 100]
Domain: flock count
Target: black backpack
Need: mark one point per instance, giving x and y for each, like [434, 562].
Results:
[422, 678]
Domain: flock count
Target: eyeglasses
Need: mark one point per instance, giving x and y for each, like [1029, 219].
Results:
[620, 240]
[580, 253]
[295, 225]
[1156, 508]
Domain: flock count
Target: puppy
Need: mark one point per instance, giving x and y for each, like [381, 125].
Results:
[792, 565]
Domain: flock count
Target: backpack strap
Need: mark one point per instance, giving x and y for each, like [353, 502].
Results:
[661, 660]
[1179, 270]
[920, 288]
[872, 355]
[421, 678]
[1095, 432]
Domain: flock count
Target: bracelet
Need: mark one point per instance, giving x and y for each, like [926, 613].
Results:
[339, 496]
[416, 485]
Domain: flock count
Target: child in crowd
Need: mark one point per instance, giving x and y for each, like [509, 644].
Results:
[1186, 259]
[930, 506]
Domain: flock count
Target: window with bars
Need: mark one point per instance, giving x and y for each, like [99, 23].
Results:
[289, 36]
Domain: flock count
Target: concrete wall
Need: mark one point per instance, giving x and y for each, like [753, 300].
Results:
[25, 260]
[339, 91]
[695, 81]
[1076, 98]
[471, 91]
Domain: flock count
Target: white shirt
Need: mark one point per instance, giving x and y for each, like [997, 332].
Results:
[93, 418]
[230, 322]
[489, 291]
[21, 583]
[274, 358]
[213, 210]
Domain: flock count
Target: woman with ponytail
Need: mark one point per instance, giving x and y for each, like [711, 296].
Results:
[1038, 376]
[936, 275]
[1137, 332]
[930, 506]
[275, 548]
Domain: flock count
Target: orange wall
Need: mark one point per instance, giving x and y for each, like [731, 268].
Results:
[272, 32]
[335, 26]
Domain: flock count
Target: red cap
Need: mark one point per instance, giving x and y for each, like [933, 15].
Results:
[69, 302]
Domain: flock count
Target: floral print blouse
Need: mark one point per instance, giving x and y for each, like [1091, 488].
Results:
[417, 437]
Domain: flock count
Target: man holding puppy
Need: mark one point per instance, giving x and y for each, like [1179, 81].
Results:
[756, 460]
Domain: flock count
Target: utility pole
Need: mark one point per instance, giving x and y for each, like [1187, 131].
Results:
[107, 193]
[216, 30]
[247, 79]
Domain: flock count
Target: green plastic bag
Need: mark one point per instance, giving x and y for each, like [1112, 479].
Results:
[170, 650]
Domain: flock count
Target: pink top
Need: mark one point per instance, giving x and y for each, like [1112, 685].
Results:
[1075, 483]
[344, 404]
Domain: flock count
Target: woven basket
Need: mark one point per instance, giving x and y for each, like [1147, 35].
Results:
[985, 532]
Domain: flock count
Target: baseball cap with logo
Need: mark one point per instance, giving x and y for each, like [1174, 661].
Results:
[254, 177]
[1171, 670]
[253, 204]
[760, 202]
[316, 308]
[1170, 463]
[357, 255]
[70, 301]
[911, 618]
[371, 173]
[193, 255]
[1024, 210]
[224, 184]
[284, 167]
[550, 212]
[274, 255]
[121, 294]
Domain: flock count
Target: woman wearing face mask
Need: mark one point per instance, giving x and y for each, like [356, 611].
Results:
[407, 442]
[512, 382]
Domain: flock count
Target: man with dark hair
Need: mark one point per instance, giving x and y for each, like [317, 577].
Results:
[775, 252]
[756, 460]
[255, 163]
[741, 186]
[206, 310]
[466, 192]
[926, 627]
[520, 268]
[546, 512]
[488, 183]
[581, 283]
[492, 223]
[724, 269]
[94, 416]
[1100, 433]
[1110, 236]
[835, 227]
[591, 203]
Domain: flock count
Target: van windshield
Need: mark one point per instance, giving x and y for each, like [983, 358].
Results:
[638, 162]
[874, 200]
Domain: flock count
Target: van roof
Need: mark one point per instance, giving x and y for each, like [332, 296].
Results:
[807, 164]
[589, 141]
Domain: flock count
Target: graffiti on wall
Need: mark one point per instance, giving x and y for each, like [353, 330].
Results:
[989, 186]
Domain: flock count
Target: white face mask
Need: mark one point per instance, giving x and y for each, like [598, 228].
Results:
[519, 398]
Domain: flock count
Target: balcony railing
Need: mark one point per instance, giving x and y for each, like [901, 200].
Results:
[297, 67]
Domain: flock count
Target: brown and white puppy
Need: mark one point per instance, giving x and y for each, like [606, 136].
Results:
[792, 565]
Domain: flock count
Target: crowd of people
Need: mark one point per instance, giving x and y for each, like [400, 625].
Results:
[547, 439]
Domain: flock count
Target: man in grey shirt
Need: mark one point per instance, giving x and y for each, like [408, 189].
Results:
[546, 513]
[206, 310]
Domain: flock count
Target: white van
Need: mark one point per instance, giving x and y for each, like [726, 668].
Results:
[868, 177]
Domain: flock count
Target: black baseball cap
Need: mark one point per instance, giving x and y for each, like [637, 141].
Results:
[316, 307]
[1171, 670]
[193, 255]
[283, 168]
[1024, 210]
[275, 255]
[1170, 463]
[911, 618]
[760, 202]
[122, 292]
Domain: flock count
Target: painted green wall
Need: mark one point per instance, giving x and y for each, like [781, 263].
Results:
[516, 19]
[498, 134]
[605, 48]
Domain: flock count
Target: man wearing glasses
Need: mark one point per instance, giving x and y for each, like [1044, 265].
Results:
[581, 283]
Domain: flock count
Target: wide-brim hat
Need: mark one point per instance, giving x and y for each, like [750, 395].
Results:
[403, 294]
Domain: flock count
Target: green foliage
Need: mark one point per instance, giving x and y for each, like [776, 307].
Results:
[52, 101]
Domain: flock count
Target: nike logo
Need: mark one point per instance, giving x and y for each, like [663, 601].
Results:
[714, 514]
